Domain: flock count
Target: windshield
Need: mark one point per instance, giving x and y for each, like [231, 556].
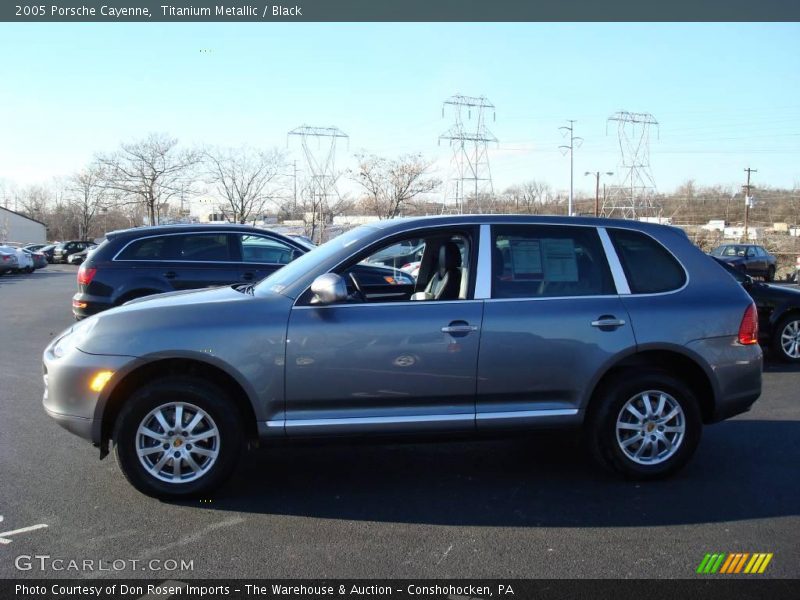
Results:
[282, 278]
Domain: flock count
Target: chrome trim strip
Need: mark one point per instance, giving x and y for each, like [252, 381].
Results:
[483, 278]
[278, 424]
[379, 420]
[522, 414]
[403, 303]
[620, 281]
[540, 298]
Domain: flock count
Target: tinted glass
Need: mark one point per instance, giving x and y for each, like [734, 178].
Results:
[539, 261]
[649, 267]
[260, 249]
[204, 247]
[153, 248]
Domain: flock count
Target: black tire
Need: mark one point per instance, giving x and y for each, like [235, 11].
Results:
[199, 393]
[776, 342]
[608, 404]
[770, 274]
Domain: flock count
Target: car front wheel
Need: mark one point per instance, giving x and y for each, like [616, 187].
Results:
[645, 425]
[178, 438]
[786, 341]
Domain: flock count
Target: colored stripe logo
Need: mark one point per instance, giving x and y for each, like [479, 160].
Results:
[734, 563]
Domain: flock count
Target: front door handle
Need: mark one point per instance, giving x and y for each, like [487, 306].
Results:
[608, 321]
[170, 275]
[459, 327]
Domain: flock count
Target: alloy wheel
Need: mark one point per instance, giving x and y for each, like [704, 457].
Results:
[650, 427]
[177, 442]
[790, 339]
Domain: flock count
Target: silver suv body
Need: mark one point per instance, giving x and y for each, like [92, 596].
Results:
[623, 329]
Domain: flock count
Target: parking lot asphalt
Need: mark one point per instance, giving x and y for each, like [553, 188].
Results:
[493, 509]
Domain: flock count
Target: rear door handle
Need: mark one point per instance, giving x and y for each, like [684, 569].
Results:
[170, 274]
[608, 322]
[459, 327]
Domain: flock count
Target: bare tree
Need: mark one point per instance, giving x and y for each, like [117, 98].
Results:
[88, 196]
[392, 184]
[150, 172]
[244, 178]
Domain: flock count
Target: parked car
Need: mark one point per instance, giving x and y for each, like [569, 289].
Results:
[778, 314]
[48, 252]
[143, 261]
[63, 250]
[78, 257]
[748, 258]
[623, 329]
[8, 261]
[33, 247]
[24, 260]
[39, 259]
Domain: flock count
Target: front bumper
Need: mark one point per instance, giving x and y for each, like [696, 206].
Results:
[67, 396]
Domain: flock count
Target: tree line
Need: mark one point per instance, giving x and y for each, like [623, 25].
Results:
[154, 180]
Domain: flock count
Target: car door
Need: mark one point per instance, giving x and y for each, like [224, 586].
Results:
[384, 365]
[262, 255]
[753, 262]
[553, 321]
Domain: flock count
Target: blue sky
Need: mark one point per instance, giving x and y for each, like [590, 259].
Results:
[726, 95]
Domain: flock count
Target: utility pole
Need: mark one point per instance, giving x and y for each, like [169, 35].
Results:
[570, 130]
[747, 198]
[294, 204]
[597, 190]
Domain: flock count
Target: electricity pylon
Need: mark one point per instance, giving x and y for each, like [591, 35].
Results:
[632, 197]
[321, 169]
[469, 139]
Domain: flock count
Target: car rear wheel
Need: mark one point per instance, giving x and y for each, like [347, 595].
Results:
[786, 341]
[645, 425]
[178, 437]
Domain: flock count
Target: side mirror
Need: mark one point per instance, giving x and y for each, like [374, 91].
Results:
[748, 281]
[329, 289]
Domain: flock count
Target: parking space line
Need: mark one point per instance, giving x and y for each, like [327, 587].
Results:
[5, 534]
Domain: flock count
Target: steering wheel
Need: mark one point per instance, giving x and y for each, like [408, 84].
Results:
[359, 292]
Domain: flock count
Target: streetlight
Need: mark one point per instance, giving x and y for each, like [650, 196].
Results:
[597, 189]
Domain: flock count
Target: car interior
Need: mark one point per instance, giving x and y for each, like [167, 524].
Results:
[443, 273]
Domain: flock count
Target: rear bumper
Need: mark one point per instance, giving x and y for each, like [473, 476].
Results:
[737, 373]
[84, 305]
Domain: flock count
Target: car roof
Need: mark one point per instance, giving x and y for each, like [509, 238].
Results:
[445, 220]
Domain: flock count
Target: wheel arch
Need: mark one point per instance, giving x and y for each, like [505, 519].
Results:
[147, 369]
[677, 361]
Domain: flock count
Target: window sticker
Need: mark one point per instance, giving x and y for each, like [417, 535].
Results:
[560, 262]
[526, 259]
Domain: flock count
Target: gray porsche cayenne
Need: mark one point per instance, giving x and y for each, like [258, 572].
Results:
[620, 329]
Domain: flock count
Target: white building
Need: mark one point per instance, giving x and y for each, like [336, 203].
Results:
[15, 227]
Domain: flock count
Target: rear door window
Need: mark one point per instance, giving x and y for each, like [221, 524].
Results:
[266, 250]
[530, 261]
[649, 267]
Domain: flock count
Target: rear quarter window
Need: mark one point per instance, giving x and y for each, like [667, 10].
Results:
[151, 248]
[649, 267]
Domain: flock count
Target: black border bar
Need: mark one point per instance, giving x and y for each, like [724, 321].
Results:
[399, 10]
[707, 588]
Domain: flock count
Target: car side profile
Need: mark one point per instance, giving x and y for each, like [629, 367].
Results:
[621, 330]
[749, 258]
[143, 261]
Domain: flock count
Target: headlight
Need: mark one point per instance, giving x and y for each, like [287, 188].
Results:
[73, 337]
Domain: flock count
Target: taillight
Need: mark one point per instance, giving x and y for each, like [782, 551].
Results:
[85, 275]
[748, 330]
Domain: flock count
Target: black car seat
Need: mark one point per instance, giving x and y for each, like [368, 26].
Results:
[446, 281]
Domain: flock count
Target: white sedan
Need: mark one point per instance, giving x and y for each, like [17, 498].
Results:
[24, 260]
